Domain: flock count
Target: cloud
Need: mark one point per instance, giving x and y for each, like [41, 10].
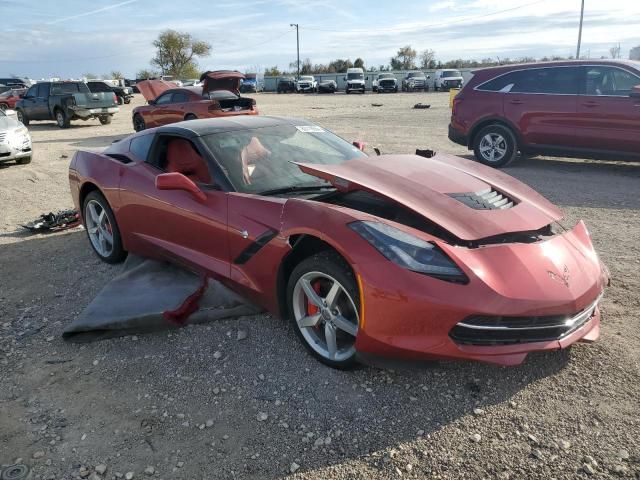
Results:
[92, 12]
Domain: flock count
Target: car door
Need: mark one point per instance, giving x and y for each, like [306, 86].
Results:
[608, 117]
[172, 224]
[161, 112]
[176, 109]
[542, 102]
[29, 102]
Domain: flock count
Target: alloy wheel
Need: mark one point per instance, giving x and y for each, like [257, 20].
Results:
[493, 147]
[99, 228]
[326, 315]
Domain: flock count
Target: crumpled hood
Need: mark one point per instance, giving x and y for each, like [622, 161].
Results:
[221, 80]
[152, 89]
[9, 123]
[431, 187]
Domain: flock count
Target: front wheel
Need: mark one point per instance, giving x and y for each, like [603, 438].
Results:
[324, 306]
[127, 100]
[3, 106]
[22, 117]
[102, 229]
[495, 145]
[190, 116]
[138, 123]
[23, 160]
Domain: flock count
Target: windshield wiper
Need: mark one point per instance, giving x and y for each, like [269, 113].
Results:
[294, 189]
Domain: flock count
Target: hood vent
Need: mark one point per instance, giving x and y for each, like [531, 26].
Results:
[488, 199]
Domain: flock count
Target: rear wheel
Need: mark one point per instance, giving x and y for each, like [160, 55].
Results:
[102, 229]
[324, 306]
[127, 100]
[120, 100]
[138, 123]
[495, 145]
[105, 119]
[62, 119]
[190, 116]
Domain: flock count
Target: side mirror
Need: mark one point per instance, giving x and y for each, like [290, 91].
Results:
[151, 102]
[177, 181]
[359, 145]
[635, 92]
[21, 95]
[366, 78]
[344, 78]
[428, 77]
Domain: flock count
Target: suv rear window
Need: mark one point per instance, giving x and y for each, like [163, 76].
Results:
[551, 80]
[60, 88]
[610, 81]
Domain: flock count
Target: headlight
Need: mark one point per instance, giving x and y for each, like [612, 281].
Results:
[408, 251]
[17, 137]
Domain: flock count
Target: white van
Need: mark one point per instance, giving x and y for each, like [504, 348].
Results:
[446, 79]
[355, 80]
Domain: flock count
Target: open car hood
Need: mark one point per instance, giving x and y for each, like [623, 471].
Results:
[451, 192]
[221, 80]
[152, 89]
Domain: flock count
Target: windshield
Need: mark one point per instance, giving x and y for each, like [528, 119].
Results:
[258, 160]
[355, 76]
[451, 73]
[386, 75]
[306, 79]
[415, 74]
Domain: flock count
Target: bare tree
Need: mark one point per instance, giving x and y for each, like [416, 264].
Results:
[428, 59]
[405, 59]
[615, 51]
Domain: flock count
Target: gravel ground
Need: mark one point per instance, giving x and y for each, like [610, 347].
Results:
[203, 402]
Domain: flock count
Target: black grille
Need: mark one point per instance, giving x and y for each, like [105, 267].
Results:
[388, 83]
[487, 199]
[486, 330]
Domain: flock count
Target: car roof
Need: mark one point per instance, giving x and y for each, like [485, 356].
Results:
[198, 128]
[560, 63]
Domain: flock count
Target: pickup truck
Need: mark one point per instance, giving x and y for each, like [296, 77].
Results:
[123, 94]
[65, 101]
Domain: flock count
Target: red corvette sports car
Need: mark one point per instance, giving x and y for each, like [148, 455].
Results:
[219, 96]
[394, 255]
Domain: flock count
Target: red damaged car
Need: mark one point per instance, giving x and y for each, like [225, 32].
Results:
[9, 98]
[219, 96]
[394, 255]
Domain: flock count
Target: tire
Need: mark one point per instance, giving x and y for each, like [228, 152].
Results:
[138, 123]
[95, 210]
[3, 106]
[62, 119]
[347, 92]
[119, 99]
[105, 119]
[320, 273]
[23, 160]
[495, 145]
[435, 87]
[127, 100]
[22, 117]
[190, 116]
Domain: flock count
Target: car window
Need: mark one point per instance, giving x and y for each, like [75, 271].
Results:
[257, 160]
[140, 146]
[164, 99]
[609, 81]
[98, 87]
[32, 91]
[62, 88]
[43, 90]
[179, 97]
[558, 81]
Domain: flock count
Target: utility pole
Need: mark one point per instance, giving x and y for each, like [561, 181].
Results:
[298, 46]
[580, 31]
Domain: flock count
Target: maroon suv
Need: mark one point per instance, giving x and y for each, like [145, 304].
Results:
[576, 108]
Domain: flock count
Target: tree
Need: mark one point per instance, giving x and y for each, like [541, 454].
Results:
[405, 59]
[634, 53]
[116, 74]
[146, 74]
[428, 59]
[176, 53]
[359, 63]
[615, 51]
[272, 71]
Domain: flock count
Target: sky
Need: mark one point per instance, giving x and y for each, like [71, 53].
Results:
[69, 38]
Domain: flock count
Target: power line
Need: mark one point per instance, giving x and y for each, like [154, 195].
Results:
[441, 24]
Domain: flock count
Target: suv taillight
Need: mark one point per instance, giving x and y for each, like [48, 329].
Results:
[115, 98]
[456, 102]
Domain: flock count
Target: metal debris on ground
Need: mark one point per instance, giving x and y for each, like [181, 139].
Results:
[421, 105]
[14, 472]
[376, 104]
[54, 222]
[425, 153]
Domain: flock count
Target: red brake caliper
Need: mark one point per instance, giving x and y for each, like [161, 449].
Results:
[311, 308]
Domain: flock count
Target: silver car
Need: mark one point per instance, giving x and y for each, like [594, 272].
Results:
[15, 141]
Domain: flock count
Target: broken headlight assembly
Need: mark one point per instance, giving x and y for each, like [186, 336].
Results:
[409, 252]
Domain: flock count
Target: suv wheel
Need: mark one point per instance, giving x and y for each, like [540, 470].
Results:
[495, 145]
[62, 119]
[22, 117]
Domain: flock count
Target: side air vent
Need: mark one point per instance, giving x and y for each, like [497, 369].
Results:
[488, 199]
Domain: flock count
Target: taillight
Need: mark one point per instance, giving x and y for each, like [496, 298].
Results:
[213, 107]
[115, 98]
[456, 102]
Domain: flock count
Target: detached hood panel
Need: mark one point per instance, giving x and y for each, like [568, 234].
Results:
[152, 89]
[428, 186]
[221, 80]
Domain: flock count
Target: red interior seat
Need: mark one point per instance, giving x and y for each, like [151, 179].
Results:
[182, 158]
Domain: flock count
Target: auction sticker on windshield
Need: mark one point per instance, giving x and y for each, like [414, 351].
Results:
[310, 128]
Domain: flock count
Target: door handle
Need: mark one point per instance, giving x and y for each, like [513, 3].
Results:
[591, 104]
[516, 102]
